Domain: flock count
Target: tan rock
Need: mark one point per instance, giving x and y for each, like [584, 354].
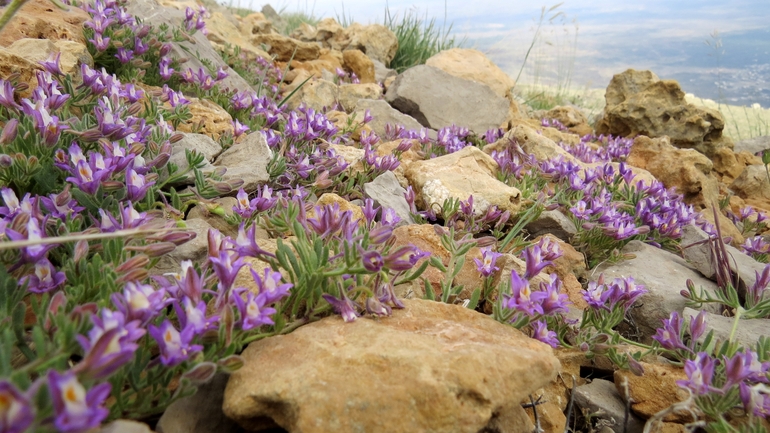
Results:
[330, 199]
[686, 169]
[327, 28]
[255, 23]
[375, 40]
[317, 67]
[11, 63]
[654, 391]
[639, 103]
[350, 94]
[531, 142]
[752, 183]
[439, 368]
[40, 19]
[460, 175]
[73, 54]
[316, 94]
[285, 48]
[222, 31]
[207, 118]
[726, 164]
[407, 158]
[204, 212]
[572, 118]
[358, 62]
[473, 65]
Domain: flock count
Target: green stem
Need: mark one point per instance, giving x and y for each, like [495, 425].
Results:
[738, 314]
[10, 12]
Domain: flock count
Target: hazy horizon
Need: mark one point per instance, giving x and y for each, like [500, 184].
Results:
[665, 37]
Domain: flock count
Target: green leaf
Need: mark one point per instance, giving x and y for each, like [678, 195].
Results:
[429, 293]
[474, 301]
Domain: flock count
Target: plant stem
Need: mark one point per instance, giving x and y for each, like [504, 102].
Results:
[10, 12]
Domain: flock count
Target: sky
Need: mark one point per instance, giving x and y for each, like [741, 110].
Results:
[587, 41]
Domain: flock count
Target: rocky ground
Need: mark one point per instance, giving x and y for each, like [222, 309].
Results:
[432, 366]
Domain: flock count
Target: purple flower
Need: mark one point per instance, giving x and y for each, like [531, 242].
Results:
[76, 410]
[226, 266]
[239, 128]
[522, 298]
[486, 266]
[175, 346]
[165, 69]
[553, 300]
[111, 343]
[372, 260]
[344, 306]
[756, 399]
[191, 315]
[670, 335]
[269, 285]
[45, 277]
[136, 185]
[534, 259]
[7, 97]
[370, 212]
[698, 325]
[124, 55]
[140, 302]
[31, 253]
[253, 310]
[540, 332]
[404, 258]
[700, 373]
[100, 42]
[15, 409]
[52, 63]
[330, 220]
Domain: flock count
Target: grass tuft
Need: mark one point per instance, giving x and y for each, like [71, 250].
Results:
[418, 38]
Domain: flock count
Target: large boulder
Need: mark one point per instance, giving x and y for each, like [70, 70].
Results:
[152, 13]
[375, 40]
[431, 367]
[639, 103]
[383, 114]
[472, 65]
[40, 19]
[285, 48]
[438, 99]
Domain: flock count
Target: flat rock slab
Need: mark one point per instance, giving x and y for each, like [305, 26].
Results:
[460, 175]
[664, 275]
[437, 99]
[431, 367]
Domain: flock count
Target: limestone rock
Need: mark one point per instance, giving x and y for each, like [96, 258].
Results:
[654, 391]
[571, 117]
[200, 143]
[747, 334]
[387, 193]
[438, 368]
[726, 164]
[382, 72]
[194, 249]
[687, 170]
[663, 285]
[285, 48]
[248, 161]
[552, 222]
[124, 426]
[698, 254]
[200, 412]
[222, 30]
[350, 94]
[601, 400]
[531, 142]
[374, 40]
[207, 118]
[752, 183]
[11, 63]
[40, 19]
[462, 174]
[383, 114]
[639, 103]
[330, 199]
[358, 62]
[437, 99]
[73, 54]
[152, 13]
[472, 65]
[753, 145]
[316, 94]
[255, 23]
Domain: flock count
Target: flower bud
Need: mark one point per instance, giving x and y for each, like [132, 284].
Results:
[137, 274]
[5, 160]
[210, 337]
[164, 50]
[58, 301]
[684, 293]
[486, 241]
[138, 261]
[9, 131]
[160, 161]
[134, 108]
[584, 347]
[143, 31]
[81, 250]
[178, 238]
[235, 184]
[83, 312]
[159, 249]
[21, 87]
[112, 185]
[231, 363]
[176, 138]
[201, 373]
[635, 366]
